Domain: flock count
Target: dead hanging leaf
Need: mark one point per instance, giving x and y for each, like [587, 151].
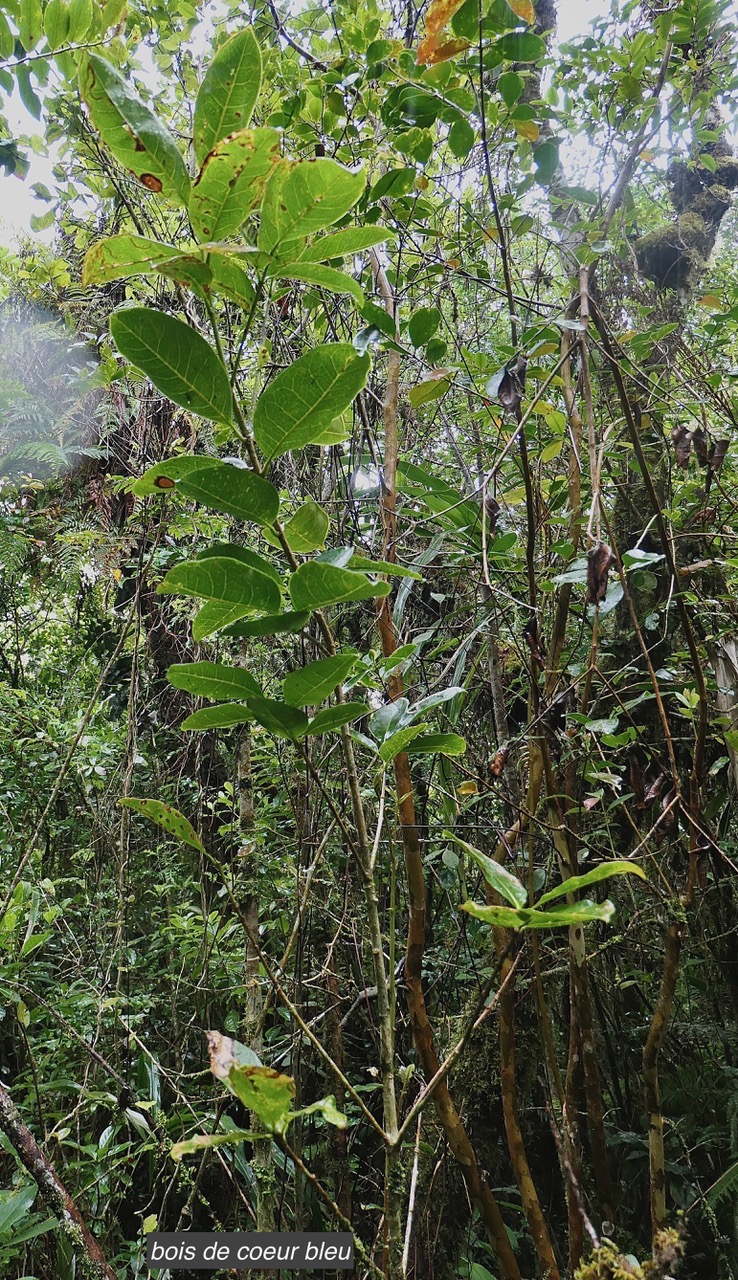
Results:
[682, 445]
[669, 820]
[717, 454]
[635, 777]
[440, 13]
[702, 856]
[590, 803]
[222, 1056]
[654, 787]
[699, 444]
[499, 762]
[533, 641]
[599, 561]
[508, 384]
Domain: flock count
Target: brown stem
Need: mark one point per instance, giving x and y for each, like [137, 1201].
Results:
[651, 1091]
[90, 1257]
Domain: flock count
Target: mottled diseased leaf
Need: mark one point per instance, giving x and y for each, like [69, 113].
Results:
[134, 135]
[225, 1053]
[121, 256]
[232, 182]
[600, 560]
[606, 871]
[163, 476]
[498, 877]
[228, 93]
[179, 362]
[309, 685]
[529, 918]
[213, 680]
[204, 1141]
[266, 1093]
[305, 196]
[167, 817]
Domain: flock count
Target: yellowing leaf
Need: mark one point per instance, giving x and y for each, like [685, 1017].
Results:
[434, 53]
[523, 9]
[467, 789]
[440, 13]
[527, 129]
[711, 301]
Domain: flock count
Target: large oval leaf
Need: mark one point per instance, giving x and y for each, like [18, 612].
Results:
[324, 277]
[167, 817]
[226, 579]
[302, 401]
[136, 137]
[223, 717]
[306, 196]
[279, 718]
[341, 244]
[179, 362]
[228, 93]
[232, 182]
[163, 476]
[214, 680]
[311, 684]
[235, 490]
[271, 625]
[331, 718]
[316, 584]
[442, 744]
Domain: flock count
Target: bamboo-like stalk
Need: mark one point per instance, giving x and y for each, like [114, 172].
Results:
[651, 1091]
[456, 1135]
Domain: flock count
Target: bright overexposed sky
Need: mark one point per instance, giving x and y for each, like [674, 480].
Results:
[17, 200]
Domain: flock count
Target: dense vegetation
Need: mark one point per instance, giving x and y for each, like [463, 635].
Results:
[368, 664]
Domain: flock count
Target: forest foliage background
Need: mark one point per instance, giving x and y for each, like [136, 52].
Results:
[368, 666]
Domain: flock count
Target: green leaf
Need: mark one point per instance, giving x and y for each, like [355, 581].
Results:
[316, 584]
[30, 24]
[325, 277]
[231, 280]
[224, 717]
[303, 197]
[232, 551]
[163, 476]
[443, 744]
[176, 359]
[232, 181]
[307, 529]
[342, 244]
[520, 46]
[122, 256]
[384, 566]
[618, 867]
[546, 160]
[300, 404]
[279, 718]
[213, 680]
[510, 87]
[165, 816]
[203, 1141]
[326, 1107]
[563, 917]
[81, 14]
[233, 489]
[132, 132]
[265, 1092]
[311, 684]
[215, 616]
[331, 718]
[273, 624]
[400, 741]
[56, 23]
[226, 579]
[461, 138]
[430, 389]
[228, 93]
[498, 877]
[423, 324]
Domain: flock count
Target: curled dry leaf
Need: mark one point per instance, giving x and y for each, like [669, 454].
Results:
[599, 561]
[437, 18]
[654, 787]
[512, 385]
[500, 760]
[222, 1054]
[717, 454]
[682, 445]
[699, 444]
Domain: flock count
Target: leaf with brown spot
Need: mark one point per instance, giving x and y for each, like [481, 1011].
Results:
[164, 815]
[599, 561]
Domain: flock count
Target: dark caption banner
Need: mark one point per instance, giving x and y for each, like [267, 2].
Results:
[260, 1250]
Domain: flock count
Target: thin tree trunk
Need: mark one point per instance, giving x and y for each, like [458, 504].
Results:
[91, 1261]
[651, 1091]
